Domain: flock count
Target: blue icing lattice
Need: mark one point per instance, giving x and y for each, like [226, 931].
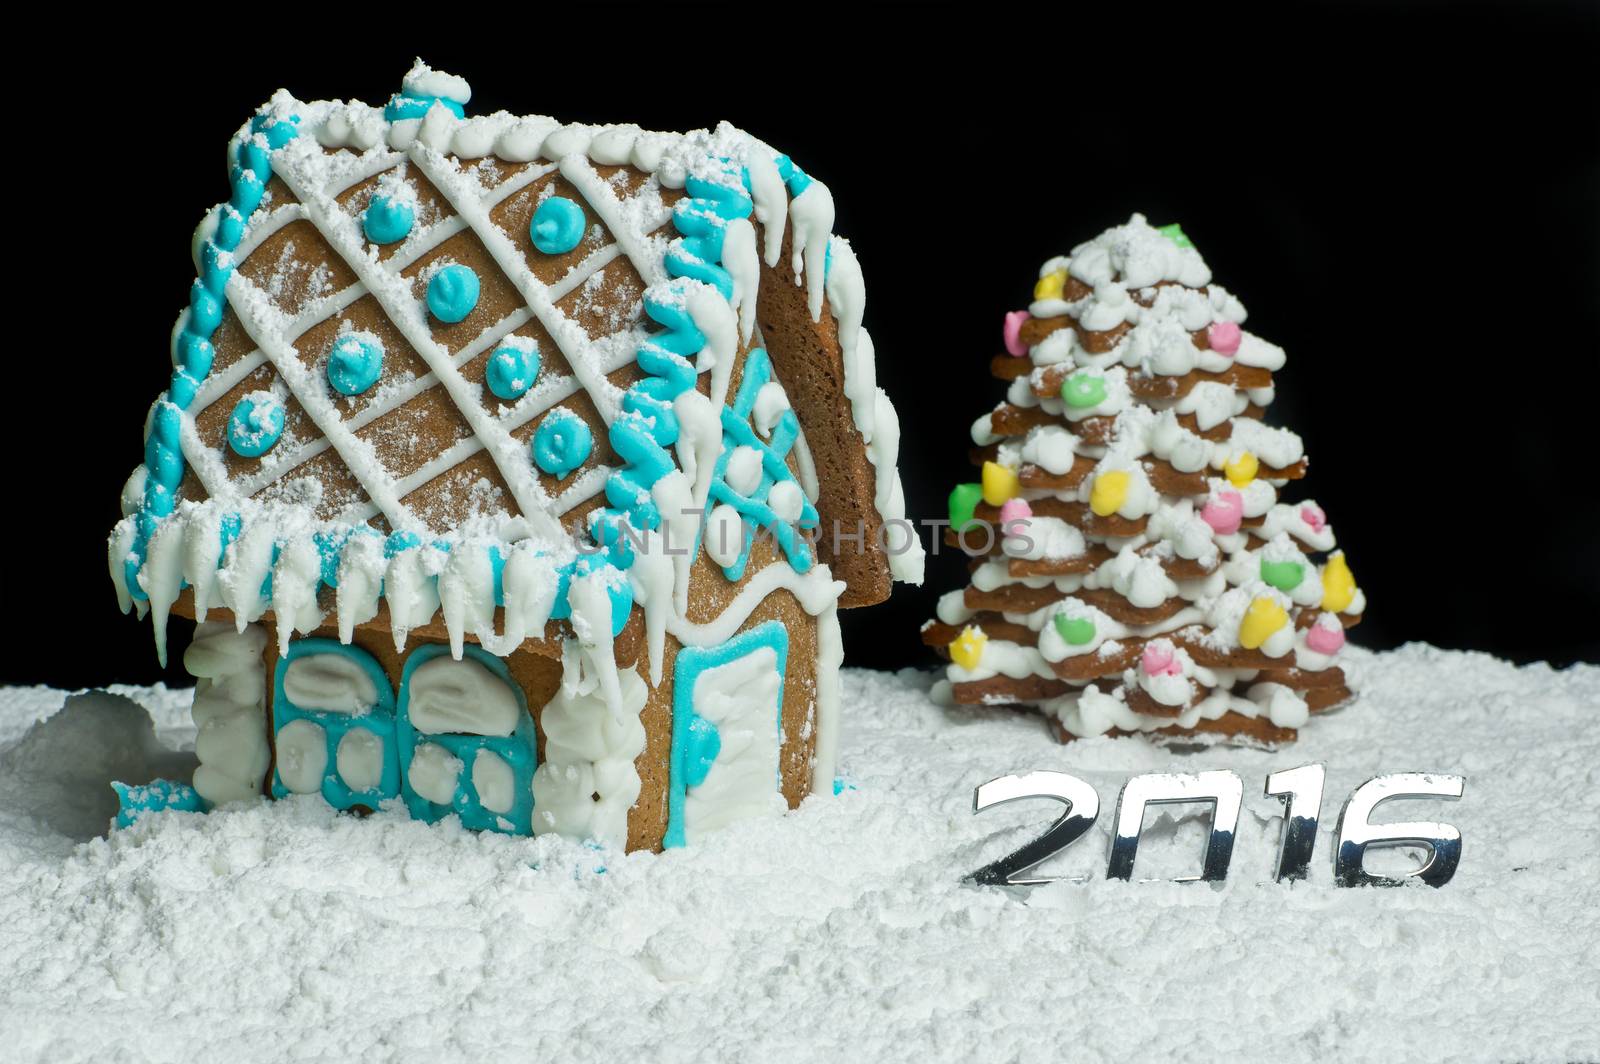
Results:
[647, 426]
[695, 740]
[753, 508]
[702, 217]
[379, 720]
[518, 750]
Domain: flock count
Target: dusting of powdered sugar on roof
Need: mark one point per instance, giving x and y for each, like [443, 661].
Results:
[254, 545]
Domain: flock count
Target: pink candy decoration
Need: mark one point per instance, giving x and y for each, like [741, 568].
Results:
[1224, 337]
[1325, 640]
[1014, 510]
[1224, 512]
[1158, 660]
[1014, 344]
[1313, 516]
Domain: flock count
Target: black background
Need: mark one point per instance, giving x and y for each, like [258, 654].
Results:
[1406, 198]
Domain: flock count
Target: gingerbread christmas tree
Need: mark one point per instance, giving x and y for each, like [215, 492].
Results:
[1136, 567]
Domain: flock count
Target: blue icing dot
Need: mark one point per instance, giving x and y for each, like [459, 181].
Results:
[562, 443]
[354, 363]
[557, 226]
[512, 371]
[387, 219]
[255, 425]
[453, 293]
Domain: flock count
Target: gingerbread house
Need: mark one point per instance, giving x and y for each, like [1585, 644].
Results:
[515, 470]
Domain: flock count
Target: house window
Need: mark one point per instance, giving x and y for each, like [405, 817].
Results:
[466, 740]
[333, 726]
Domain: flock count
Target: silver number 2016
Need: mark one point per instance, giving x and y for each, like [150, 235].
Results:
[1300, 789]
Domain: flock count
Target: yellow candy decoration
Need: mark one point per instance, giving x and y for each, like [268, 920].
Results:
[1110, 491]
[999, 483]
[1050, 285]
[966, 649]
[1262, 619]
[1241, 469]
[1338, 584]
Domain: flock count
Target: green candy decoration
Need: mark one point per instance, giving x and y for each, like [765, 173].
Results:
[1285, 576]
[1174, 233]
[1083, 390]
[963, 504]
[1075, 630]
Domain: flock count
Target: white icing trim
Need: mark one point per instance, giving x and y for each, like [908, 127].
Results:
[253, 310]
[569, 337]
[229, 711]
[830, 657]
[587, 782]
[602, 199]
[816, 591]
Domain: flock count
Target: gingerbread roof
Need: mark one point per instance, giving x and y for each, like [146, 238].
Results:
[439, 364]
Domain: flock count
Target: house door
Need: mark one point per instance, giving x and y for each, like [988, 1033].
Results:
[727, 732]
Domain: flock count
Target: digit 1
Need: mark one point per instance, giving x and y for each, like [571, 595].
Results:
[1301, 791]
[1221, 788]
[1356, 833]
[1082, 807]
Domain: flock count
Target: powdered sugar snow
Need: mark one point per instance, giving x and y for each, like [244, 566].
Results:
[284, 932]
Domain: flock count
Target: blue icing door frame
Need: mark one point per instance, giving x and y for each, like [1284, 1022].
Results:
[380, 721]
[695, 742]
[519, 750]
